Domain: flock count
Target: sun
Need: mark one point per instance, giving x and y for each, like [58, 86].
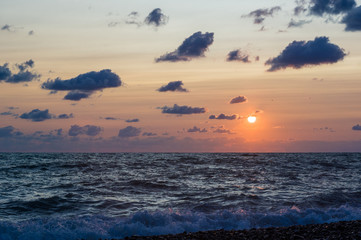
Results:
[251, 119]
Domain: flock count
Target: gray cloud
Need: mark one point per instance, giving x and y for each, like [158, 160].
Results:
[224, 117]
[65, 116]
[300, 23]
[156, 18]
[31, 32]
[300, 53]
[132, 120]
[239, 99]
[356, 127]
[237, 55]
[321, 7]
[6, 27]
[85, 84]
[353, 20]
[149, 134]
[180, 110]
[197, 129]
[37, 115]
[133, 19]
[111, 118]
[129, 132]
[89, 130]
[223, 130]
[192, 47]
[260, 15]
[9, 131]
[300, 8]
[175, 86]
[23, 75]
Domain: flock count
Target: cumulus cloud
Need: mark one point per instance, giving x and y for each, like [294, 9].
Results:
[9, 131]
[237, 55]
[129, 132]
[300, 53]
[224, 117]
[180, 110]
[321, 7]
[197, 129]
[156, 18]
[89, 130]
[356, 127]
[175, 86]
[300, 8]
[260, 15]
[297, 24]
[23, 75]
[239, 99]
[353, 20]
[132, 120]
[37, 115]
[192, 47]
[85, 84]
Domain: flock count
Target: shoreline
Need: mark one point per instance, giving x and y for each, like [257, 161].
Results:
[336, 230]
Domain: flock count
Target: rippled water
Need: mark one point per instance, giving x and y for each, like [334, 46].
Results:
[116, 195]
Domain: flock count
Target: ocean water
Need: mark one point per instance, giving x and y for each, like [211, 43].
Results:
[92, 196]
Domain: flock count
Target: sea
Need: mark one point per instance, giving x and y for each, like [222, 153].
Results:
[115, 195]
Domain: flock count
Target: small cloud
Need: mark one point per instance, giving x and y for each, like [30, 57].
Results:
[331, 7]
[175, 86]
[77, 95]
[65, 116]
[300, 23]
[156, 18]
[23, 75]
[133, 19]
[149, 134]
[30, 33]
[180, 110]
[300, 53]
[260, 15]
[300, 8]
[89, 130]
[8, 113]
[192, 47]
[197, 129]
[113, 24]
[9, 131]
[353, 20]
[223, 130]
[6, 27]
[129, 132]
[239, 99]
[356, 127]
[37, 115]
[111, 118]
[132, 120]
[237, 55]
[224, 117]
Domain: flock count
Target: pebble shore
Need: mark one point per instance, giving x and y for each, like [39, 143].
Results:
[338, 230]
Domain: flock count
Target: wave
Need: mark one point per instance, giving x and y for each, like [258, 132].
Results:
[169, 222]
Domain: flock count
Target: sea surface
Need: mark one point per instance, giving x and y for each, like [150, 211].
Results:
[96, 195]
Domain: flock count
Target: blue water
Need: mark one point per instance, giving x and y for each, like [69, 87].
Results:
[73, 196]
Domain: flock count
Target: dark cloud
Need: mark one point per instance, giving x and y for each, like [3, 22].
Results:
[132, 120]
[89, 130]
[30, 33]
[193, 47]
[84, 85]
[321, 7]
[237, 55]
[129, 132]
[239, 99]
[180, 110]
[149, 134]
[196, 129]
[224, 117]
[156, 18]
[37, 115]
[300, 23]
[111, 118]
[6, 27]
[90, 81]
[260, 15]
[300, 8]
[77, 95]
[300, 53]
[23, 75]
[8, 113]
[356, 127]
[175, 86]
[9, 131]
[353, 20]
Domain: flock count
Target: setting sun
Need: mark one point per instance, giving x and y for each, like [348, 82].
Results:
[251, 119]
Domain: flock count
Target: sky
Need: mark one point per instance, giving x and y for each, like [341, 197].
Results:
[180, 76]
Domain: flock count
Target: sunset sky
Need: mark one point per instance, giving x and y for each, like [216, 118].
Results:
[180, 76]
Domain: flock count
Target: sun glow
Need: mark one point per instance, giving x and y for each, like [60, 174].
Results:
[251, 119]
